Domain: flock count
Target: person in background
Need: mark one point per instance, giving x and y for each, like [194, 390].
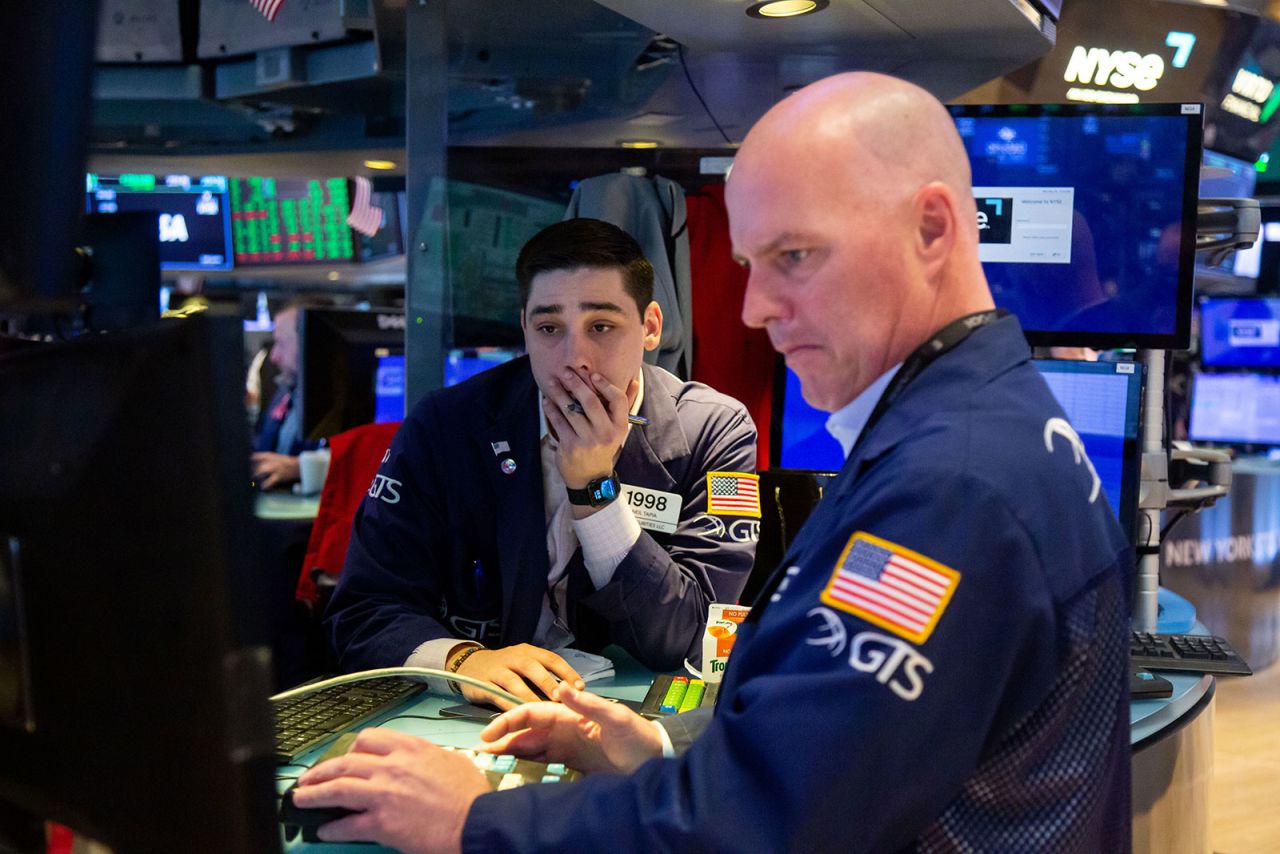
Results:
[279, 442]
[573, 498]
[940, 663]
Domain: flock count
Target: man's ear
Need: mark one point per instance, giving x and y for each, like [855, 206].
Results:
[937, 224]
[652, 325]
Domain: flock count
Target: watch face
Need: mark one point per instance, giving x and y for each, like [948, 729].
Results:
[609, 489]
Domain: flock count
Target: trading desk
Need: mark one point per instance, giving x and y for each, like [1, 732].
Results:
[630, 682]
[1172, 742]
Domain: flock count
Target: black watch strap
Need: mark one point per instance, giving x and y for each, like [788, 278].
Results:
[598, 492]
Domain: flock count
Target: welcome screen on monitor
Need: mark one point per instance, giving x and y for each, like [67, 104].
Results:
[1080, 216]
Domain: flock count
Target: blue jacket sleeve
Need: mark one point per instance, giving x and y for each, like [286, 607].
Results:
[656, 603]
[382, 608]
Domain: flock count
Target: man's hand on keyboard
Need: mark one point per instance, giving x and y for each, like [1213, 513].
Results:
[413, 795]
[517, 668]
[584, 731]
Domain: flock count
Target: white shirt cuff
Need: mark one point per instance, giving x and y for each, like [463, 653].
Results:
[668, 749]
[433, 654]
[606, 537]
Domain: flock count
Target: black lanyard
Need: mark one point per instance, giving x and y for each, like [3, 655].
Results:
[944, 340]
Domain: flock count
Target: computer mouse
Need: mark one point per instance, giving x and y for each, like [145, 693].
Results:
[296, 818]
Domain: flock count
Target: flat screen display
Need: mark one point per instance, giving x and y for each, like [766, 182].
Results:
[192, 213]
[1241, 409]
[1240, 333]
[1086, 218]
[1102, 400]
[291, 220]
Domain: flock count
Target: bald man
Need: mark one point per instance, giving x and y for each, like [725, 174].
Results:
[940, 661]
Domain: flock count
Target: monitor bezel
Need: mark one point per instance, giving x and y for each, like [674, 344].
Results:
[1193, 115]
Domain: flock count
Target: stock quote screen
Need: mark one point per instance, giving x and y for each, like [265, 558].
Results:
[290, 220]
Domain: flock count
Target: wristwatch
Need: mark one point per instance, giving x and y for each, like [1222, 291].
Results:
[598, 493]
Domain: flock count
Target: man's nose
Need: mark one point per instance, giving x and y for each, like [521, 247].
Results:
[760, 303]
[578, 351]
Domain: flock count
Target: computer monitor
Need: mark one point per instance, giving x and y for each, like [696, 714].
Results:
[1235, 409]
[1240, 333]
[192, 213]
[134, 669]
[340, 368]
[1102, 400]
[1087, 218]
[291, 220]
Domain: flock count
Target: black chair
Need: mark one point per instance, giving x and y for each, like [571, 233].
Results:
[787, 497]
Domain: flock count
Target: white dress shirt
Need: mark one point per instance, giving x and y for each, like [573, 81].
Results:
[846, 424]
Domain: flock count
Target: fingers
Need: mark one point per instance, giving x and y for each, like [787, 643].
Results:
[593, 706]
[527, 744]
[348, 792]
[556, 665]
[530, 715]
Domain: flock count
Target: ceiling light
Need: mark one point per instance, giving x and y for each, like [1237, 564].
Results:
[638, 143]
[786, 8]
[380, 164]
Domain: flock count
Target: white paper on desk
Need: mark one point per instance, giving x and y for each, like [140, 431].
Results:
[591, 668]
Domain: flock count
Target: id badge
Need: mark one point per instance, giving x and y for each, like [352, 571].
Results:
[654, 509]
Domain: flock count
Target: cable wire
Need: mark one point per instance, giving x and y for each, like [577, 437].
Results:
[689, 77]
[365, 675]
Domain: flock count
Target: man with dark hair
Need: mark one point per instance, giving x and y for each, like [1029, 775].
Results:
[560, 499]
[940, 661]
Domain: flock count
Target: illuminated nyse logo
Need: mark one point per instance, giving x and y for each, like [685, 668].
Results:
[1252, 97]
[1121, 69]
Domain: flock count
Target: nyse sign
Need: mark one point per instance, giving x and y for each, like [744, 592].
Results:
[1125, 72]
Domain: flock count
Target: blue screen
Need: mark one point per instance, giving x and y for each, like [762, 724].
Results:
[1102, 401]
[388, 390]
[1235, 408]
[1080, 217]
[465, 362]
[1240, 332]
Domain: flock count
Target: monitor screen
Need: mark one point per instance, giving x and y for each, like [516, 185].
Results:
[1241, 409]
[463, 363]
[1226, 177]
[1240, 332]
[193, 217]
[1102, 400]
[291, 220]
[134, 659]
[343, 379]
[1086, 218]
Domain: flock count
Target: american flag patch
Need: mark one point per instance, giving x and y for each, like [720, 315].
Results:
[732, 493]
[890, 586]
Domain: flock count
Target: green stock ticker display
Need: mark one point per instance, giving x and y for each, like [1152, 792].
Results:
[282, 221]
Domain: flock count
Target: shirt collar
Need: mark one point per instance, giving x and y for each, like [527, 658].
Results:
[543, 432]
[846, 424]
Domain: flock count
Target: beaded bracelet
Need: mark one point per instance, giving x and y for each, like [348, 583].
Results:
[457, 663]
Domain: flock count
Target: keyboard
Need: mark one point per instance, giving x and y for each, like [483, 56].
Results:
[312, 719]
[1197, 653]
[671, 695]
[503, 771]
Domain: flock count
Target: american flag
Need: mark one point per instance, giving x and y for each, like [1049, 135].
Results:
[731, 493]
[268, 8]
[890, 586]
[364, 217]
